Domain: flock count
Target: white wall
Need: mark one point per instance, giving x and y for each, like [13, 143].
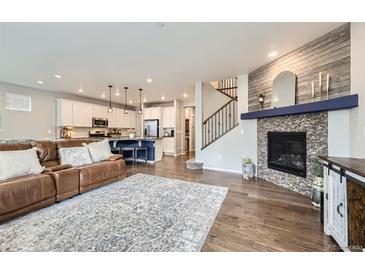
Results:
[41, 122]
[226, 153]
[339, 133]
[248, 127]
[357, 115]
[212, 99]
[179, 118]
[198, 117]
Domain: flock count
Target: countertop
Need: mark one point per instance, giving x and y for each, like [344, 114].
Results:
[134, 139]
[354, 165]
[113, 139]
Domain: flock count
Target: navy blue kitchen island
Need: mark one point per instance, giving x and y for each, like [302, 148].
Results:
[154, 146]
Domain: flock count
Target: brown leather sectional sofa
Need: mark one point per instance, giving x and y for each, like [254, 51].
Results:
[58, 182]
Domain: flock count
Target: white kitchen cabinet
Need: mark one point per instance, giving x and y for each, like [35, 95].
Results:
[153, 113]
[132, 119]
[81, 114]
[100, 111]
[146, 113]
[125, 120]
[129, 119]
[64, 113]
[168, 145]
[168, 117]
[115, 118]
[119, 117]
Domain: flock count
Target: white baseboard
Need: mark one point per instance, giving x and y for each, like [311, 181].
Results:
[223, 169]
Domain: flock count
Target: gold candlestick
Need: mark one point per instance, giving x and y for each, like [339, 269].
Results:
[320, 81]
[327, 84]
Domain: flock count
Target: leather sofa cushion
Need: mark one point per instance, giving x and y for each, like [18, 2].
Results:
[115, 157]
[74, 143]
[95, 173]
[24, 191]
[18, 146]
[67, 182]
[50, 164]
[57, 168]
[47, 151]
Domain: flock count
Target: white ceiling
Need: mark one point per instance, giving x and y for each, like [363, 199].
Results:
[94, 55]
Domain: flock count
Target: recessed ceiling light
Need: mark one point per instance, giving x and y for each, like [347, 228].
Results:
[80, 90]
[40, 82]
[272, 54]
[163, 97]
[130, 102]
[185, 95]
[160, 24]
[149, 80]
[117, 93]
[103, 95]
[58, 76]
[144, 100]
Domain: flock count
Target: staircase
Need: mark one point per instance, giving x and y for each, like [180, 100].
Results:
[225, 118]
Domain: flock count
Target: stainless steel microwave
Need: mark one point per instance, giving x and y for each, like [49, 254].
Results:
[100, 122]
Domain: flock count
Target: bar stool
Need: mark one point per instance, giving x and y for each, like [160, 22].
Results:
[130, 150]
[115, 150]
[144, 151]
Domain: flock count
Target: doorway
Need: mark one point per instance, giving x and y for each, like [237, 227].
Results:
[189, 128]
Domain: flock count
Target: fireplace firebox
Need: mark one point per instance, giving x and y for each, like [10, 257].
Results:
[287, 152]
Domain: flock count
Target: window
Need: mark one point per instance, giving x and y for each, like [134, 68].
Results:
[18, 102]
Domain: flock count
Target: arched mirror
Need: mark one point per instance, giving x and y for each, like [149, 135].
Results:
[283, 89]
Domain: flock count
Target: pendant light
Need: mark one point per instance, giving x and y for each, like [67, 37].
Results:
[110, 109]
[140, 101]
[126, 100]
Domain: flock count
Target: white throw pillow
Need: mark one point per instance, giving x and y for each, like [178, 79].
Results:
[99, 151]
[75, 156]
[19, 163]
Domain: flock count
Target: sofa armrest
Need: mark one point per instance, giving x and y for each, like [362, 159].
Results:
[57, 168]
[115, 157]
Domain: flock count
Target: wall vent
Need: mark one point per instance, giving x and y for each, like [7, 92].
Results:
[18, 102]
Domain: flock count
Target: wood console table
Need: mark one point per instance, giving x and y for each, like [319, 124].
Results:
[344, 204]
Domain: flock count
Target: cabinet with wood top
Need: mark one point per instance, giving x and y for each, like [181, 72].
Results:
[344, 204]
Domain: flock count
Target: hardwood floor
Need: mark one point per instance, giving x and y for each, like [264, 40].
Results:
[255, 216]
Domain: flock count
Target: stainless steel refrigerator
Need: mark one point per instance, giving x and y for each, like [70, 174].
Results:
[151, 128]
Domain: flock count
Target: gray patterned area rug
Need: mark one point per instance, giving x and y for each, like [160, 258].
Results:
[139, 213]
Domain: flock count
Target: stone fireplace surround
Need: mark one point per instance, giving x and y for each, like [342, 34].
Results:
[316, 127]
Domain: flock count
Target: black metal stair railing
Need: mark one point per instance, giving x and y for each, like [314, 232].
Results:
[228, 87]
[225, 118]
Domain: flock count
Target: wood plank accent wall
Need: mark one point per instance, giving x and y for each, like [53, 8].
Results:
[327, 54]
